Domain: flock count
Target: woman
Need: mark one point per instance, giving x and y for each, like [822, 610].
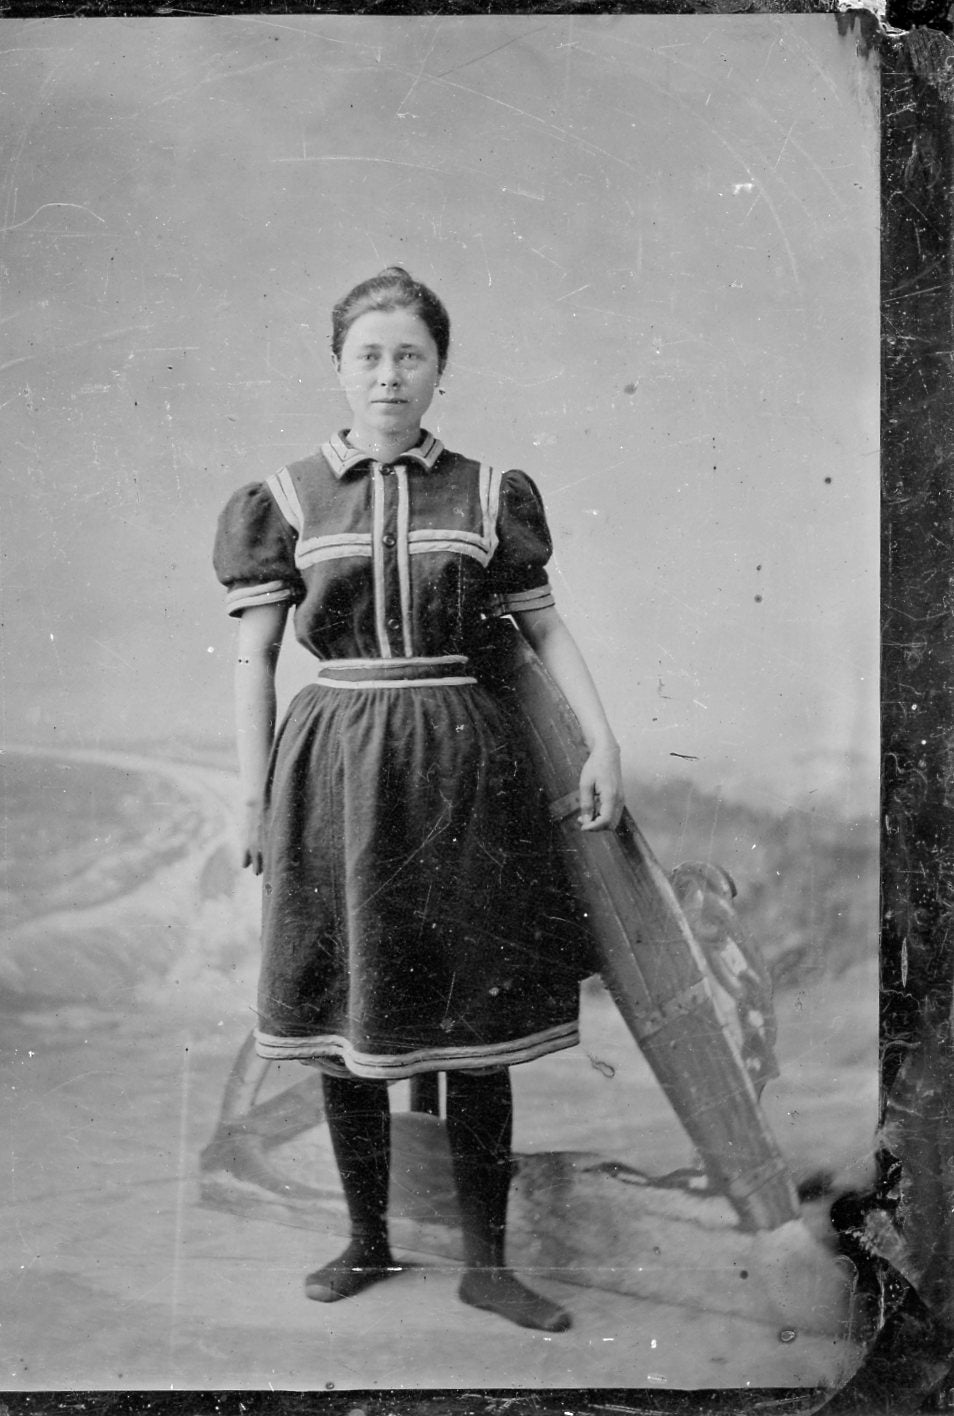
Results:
[410, 908]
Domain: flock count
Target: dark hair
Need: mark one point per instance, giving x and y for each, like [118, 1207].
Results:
[391, 289]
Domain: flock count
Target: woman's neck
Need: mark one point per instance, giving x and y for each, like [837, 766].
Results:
[380, 446]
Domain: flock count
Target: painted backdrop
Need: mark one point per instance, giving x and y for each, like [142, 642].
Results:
[657, 237]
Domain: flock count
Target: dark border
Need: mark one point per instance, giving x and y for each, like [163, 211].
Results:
[32, 9]
[901, 1233]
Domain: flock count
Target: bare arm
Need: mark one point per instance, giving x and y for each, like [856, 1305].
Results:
[601, 786]
[259, 641]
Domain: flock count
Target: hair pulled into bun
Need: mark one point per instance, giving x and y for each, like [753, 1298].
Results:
[391, 289]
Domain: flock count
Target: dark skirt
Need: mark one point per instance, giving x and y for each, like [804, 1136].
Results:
[414, 915]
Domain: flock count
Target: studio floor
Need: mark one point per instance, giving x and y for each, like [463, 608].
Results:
[127, 1266]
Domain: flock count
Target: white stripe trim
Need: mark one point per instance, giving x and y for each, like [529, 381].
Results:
[364, 1064]
[336, 547]
[338, 538]
[490, 505]
[341, 456]
[329, 553]
[403, 561]
[333, 453]
[429, 450]
[434, 659]
[539, 599]
[282, 489]
[377, 552]
[261, 587]
[246, 597]
[392, 683]
[458, 547]
[448, 534]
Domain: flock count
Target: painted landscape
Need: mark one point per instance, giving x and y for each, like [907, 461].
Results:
[128, 970]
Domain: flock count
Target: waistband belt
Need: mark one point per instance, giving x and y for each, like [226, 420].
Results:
[446, 672]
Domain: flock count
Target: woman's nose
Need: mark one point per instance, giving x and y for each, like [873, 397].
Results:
[388, 374]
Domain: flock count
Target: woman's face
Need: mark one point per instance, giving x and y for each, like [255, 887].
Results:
[389, 368]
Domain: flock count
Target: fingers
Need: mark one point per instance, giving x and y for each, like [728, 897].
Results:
[252, 860]
[606, 817]
[601, 796]
[252, 837]
[588, 803]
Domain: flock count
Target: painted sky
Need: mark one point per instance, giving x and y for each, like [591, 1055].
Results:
[658, 240]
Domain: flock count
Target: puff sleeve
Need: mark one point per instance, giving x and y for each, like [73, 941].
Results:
[254, 554]
[518, 567]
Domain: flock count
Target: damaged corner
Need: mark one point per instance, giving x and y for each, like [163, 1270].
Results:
[903, 1232]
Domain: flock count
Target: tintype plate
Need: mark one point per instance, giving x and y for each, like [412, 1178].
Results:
[658, 231]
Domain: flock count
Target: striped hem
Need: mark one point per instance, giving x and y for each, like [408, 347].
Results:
[282, 488]
[411, 672]
[403, 560]
[341, 456]
[454, 545]
[410, 1064]
[490, 483]
[246, 597]
[520, 600]
[377, 561]
[327, 682]
[414, 660]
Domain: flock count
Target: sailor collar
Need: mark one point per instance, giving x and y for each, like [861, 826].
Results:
[342, 458]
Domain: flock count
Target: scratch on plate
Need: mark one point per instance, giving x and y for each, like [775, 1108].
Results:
[785, 144]
[106, 648]
[61, 349]
[353, 157]
[400, 113]
[480, 238]
[455, 68]
[374, 49]
[520, 192]
[544, 257]
[76, 206]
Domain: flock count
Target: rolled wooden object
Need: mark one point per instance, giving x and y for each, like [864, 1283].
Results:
[650, 962]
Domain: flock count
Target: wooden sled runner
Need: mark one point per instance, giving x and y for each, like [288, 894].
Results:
[650, 961]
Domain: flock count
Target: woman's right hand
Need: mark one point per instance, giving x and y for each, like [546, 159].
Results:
[259, 640]
[252, 837]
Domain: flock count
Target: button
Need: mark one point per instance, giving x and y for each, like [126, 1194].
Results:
[394, 624]
[389, 540]
[386, 470]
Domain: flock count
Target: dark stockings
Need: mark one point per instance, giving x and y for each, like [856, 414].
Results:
[480, 1127]
[359, 1120]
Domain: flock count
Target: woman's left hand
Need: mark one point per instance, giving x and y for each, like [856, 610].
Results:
[601, 784]
[601, 790]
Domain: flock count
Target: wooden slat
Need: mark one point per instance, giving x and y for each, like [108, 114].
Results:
[650, 960]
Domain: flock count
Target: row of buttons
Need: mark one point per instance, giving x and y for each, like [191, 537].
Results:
[390, 541]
